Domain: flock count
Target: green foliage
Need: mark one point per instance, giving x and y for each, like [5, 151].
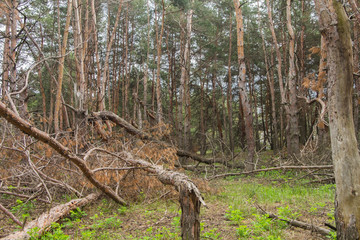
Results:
[55, 233]
[88, 234]
[122, 210]
[243, 231]
[211, 234]
[234, 215]
[23, 208]
[287, 214]
[332, 235]
[77, 214]
[34, 233]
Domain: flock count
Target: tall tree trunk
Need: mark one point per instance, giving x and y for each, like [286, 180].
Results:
[229, 97]
[42, 89]
[279, 68]
[80, 50]
[126, 66]
[292, 111]
[184, 83]
[61, 68]
[159, 112]
[146, 71]
[336, 29]
[6, 55]
[105, 73]
[270, 78]
[242, 88]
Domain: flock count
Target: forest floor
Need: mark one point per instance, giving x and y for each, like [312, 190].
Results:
[233, 212]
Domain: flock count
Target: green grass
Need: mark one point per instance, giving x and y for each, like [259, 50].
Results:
[233, 212]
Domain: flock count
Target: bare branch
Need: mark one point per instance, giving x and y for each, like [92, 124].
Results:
[12, 216]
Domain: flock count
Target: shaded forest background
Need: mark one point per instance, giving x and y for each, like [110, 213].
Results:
[168, 62]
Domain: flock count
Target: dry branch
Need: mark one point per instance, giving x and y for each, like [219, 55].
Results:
[7, 212]
[299, 224]
[273, 169]
[27, 128]
[24, 196]
[53, 215]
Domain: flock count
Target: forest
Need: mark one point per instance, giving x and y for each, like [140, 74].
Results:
[179, 119]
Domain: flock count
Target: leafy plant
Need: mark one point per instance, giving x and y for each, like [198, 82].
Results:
[287, 214]
[211, 234]
[23, 208]
[88, 234]
[234, 215]
[77, 214]
[243, 231]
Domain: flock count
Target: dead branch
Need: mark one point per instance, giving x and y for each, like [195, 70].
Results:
[273, 169]
[12, 216]
[24, 196]
[116, 169]
[298, 224]
[323, 107]
[27, 128]
[54, 214]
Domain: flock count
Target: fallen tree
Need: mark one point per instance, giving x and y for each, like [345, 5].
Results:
[272, 169]
[190, 198]
[106, 115]
[44, 221]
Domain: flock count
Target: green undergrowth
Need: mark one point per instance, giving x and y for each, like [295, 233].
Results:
[234, 213]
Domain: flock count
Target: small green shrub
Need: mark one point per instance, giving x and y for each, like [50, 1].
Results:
[234, 215]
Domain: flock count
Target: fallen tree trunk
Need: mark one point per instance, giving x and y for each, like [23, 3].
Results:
[190, 197]
[106, 115]
[54, 214]
[299, 224]
[272, 169]
[27, 128]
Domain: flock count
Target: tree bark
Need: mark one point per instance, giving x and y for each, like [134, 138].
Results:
[229, 97]
[61, 68]
[105, 73]
[292, 110]
[335, 27]
[159, 36]
[242, 88]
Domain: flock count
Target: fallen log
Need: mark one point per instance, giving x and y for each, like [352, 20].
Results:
[299, 224]
[44, 221]
[27, 128]
[272, 169]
